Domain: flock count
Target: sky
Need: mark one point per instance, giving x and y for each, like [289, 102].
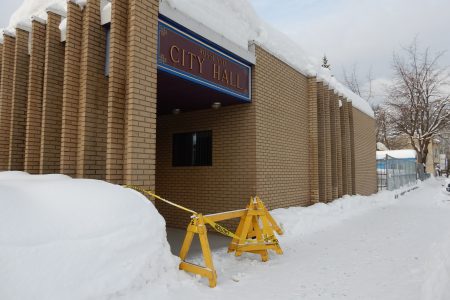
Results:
[361, 33]
[352, 33]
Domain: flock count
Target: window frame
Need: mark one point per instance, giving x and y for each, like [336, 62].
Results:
[193, 152]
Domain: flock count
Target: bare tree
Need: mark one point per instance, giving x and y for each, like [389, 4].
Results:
[417, 105]
[353, 82]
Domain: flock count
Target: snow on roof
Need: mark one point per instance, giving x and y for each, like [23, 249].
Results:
[242, 26]
[407, 153]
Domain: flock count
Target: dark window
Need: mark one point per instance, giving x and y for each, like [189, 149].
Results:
[108, 46]
[192, 149]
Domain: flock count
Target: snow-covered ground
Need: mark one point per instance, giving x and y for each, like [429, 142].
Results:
[83, 239]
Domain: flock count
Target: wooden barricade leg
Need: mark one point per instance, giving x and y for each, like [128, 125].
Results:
[197, 225]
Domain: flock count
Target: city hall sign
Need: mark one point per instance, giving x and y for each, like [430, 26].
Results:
[183, 55]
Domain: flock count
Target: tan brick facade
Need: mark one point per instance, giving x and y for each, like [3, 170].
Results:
[71, 90]
[313, 131]
[6, 91]
[365, 142]
[282, 169]
[117, 92]
[35, 98]
[140, 114]
[225, 185]
[297, 143]
[52, 97]
[19, 102]
[92, 113]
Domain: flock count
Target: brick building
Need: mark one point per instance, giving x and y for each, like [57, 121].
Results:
[128, 92]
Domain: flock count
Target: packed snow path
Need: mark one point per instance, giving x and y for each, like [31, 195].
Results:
[397, 249]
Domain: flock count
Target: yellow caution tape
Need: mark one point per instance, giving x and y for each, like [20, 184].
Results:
[159, 198]
[219, 228]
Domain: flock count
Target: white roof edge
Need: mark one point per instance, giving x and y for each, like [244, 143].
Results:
[9, 33]
[23, 26]
[38, 19]
[285, 61]
[57, 11]
[205, 32]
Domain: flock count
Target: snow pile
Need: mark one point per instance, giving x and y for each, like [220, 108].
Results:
[63, 238]
[300, 221]
[406, 153]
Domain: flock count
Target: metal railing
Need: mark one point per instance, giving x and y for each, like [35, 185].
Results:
[394, 173]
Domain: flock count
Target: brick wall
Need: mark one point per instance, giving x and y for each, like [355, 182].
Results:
[339, 146]
[52, 97]
[352, 146]
[140, 114]
[71, 90]
[6, 91]
[35, 93]
[333, 140]
[365, 148]
[346, 159]
[328, 154]
[226, 185]
[117, 92]
[281, 99]
[19, 102]
[313, 130]
[1, 58]
[92, 110]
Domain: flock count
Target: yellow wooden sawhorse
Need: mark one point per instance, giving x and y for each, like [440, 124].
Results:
[255, 234]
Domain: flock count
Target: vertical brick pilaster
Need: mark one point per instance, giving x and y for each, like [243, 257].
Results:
[322, 150]
[1, 59]
[333, 130]
[313, 140]
[328, 162]
[35, 91]
[339, 145]
[19, 102]
[352, 146]
[344, 142]
[71, 90]
[93, 96]
[117, 92]
[52, 97]
[6, 91]
[140, 124]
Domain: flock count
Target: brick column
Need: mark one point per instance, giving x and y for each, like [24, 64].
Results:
[333, 130]
[322, 151]
[6, 90]
[344, 140]
[329, 193]
[52, 97]
[71, 90]
[35, 91]
[339, 145]
[313, 140]
[117, 92]
[352, 147]
[1, 60]
[93, 96]
[19, 101]
[140, 125]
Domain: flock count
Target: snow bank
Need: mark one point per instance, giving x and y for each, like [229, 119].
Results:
[407, 153]
[300, 221]
[63, 238]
